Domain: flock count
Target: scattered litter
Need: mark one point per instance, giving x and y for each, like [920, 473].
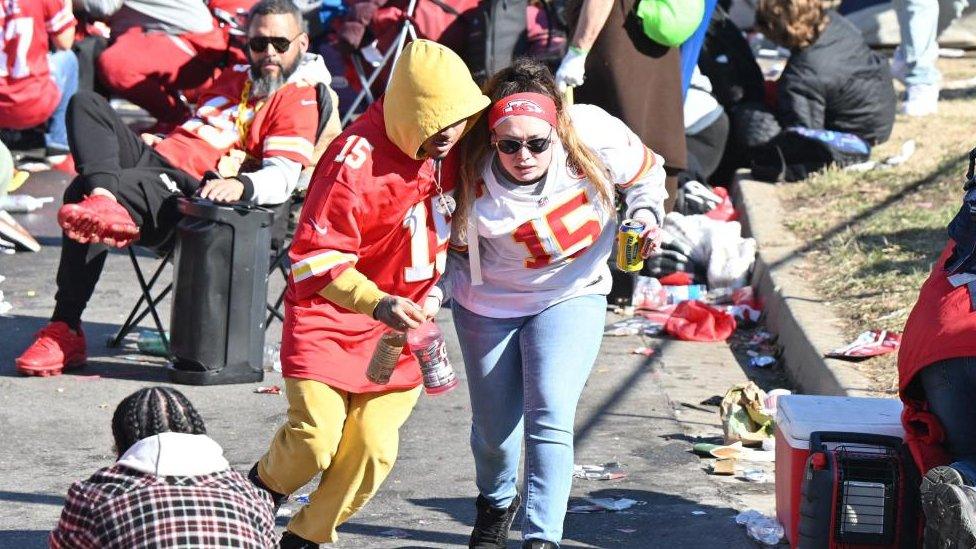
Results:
[755, 475]
[731, 451]
[284, 512]
[607, 471]
[769, 445]
[627, 530]
[103, 406]
[714, 400]
[2, 278]
[60, 389]
[724, 467]
[677, 294]
[23, 203]
[649, 294]
[744, 416]
[646, 351]
[762, 361]
[906, 152]
[772, 398]
[272, 357]
[603, 505]
[395, 533]
[765, 530]
[151, 343]
[31, 293]
[302, 498]
[952, 53]
[269, 390]
[867, 345]
[698, 513]
[760, 337]
[5, 306]
[704, 449]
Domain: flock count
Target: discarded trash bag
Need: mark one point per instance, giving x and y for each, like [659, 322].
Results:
[744, 417]
[220, 285]
[696, 321]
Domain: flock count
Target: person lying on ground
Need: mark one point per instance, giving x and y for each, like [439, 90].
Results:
[170, 487]
[369, 246]
[537, 218]
[255, 128]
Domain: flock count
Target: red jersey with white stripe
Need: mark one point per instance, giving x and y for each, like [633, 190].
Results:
[369, 206]
[28, 96]
[281, 124]
[537, 249]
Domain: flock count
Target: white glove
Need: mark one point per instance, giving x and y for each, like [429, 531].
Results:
[571, 71]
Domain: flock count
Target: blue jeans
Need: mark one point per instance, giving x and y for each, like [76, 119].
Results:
[64, 72]
[950, 386]
[525, 376]
[918, 22]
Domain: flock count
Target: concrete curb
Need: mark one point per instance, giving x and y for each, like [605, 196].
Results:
[805, 325]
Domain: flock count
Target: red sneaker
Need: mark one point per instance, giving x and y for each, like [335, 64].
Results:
[56, 348]
[98, 219]
[64, 163]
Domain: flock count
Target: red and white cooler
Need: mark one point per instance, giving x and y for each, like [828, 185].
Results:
[799, 415]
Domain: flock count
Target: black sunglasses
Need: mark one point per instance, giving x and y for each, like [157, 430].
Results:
[535, 146]
[260, 43]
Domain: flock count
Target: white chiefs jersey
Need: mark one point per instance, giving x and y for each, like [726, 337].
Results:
[534, 251]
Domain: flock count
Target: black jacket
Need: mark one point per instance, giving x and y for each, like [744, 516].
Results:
[838, 83]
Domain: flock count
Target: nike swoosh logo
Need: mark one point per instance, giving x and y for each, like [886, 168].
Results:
[308, 102]
[321, 230]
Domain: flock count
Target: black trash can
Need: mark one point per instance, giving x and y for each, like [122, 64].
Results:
[220, 285]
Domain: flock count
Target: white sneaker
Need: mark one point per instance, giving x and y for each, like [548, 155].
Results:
[921, 100]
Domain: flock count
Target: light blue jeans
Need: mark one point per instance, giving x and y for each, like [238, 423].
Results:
[525, 377]
[64, 72]
[918, 21]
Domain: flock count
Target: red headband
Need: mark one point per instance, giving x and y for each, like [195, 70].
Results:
[536, 105]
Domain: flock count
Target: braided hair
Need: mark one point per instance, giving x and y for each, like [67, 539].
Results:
[150, 411]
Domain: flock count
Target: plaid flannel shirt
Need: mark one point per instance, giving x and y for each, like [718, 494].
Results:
[119, 507]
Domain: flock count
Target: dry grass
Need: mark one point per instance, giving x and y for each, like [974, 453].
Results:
[877, 234]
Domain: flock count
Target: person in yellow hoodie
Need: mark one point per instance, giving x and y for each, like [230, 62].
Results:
[369, 247]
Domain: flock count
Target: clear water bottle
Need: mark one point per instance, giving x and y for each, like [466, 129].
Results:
[427, 343]
[385, 356]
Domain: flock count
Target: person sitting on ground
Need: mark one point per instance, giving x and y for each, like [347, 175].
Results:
[255, 127]
[832, 80]
[36, 83]
[937, 381]
[170, 487]
[181, 48]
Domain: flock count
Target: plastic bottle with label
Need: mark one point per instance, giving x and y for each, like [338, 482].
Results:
[427, 343]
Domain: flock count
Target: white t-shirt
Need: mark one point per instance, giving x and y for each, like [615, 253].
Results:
[538, 249]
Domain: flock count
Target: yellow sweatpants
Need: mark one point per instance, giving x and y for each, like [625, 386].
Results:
[352, 438]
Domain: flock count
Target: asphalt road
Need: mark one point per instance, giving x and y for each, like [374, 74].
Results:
[641, 412]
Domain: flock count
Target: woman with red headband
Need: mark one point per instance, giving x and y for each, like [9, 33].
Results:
[536, 215]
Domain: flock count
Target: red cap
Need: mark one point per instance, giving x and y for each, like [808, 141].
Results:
[523, 104]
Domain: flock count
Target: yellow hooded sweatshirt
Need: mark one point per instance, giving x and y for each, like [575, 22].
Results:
[430, 89]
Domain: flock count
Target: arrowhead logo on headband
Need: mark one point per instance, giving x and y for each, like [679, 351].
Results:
[535, 105]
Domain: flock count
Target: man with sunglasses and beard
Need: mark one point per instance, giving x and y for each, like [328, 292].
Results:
[252, 133]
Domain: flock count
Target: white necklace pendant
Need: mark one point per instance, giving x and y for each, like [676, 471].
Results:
[445, 205]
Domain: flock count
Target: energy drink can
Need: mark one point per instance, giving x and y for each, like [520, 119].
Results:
[629, 246]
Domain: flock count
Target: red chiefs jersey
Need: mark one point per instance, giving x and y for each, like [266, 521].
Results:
[369, 206]
[282, 124]
[28, 96]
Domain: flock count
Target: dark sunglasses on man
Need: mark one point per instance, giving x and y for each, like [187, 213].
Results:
[535, 146]
[260, 43]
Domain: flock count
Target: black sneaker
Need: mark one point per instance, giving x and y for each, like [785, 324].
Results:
[937, 476]
[950, 521]
[276, 498]
[293, 541]
[492, 525]
[539, 544]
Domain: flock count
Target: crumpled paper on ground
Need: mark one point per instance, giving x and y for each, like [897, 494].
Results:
[744, 416]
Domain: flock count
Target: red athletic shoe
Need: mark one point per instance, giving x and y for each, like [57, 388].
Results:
[98, 219]
[64, 163]
[57, 347]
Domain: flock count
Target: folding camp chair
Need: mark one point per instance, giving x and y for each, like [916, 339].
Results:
[407, 32]
[328, 128]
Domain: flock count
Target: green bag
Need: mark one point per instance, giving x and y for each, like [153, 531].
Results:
[670, 22]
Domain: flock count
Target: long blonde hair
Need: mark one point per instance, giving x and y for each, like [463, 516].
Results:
[524, 75]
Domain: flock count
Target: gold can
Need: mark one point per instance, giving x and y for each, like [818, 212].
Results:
[629, 246]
